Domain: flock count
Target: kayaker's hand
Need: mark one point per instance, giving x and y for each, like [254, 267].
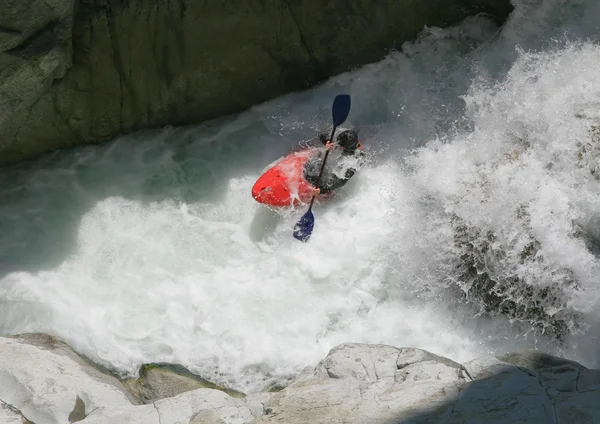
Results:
[329, 145]
[316, 191]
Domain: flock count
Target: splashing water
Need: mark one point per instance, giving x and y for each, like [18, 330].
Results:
[151, 248]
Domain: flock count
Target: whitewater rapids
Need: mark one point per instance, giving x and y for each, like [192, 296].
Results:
[151, 248]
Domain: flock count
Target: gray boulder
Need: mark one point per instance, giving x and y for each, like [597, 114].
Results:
[43, 381]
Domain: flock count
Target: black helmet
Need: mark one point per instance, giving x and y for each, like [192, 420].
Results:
[348, 140]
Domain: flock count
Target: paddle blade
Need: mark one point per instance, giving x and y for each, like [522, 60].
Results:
[340, 109]
[339, 112]
[304, 227]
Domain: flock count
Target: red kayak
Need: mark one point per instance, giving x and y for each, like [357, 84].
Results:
[283, 184]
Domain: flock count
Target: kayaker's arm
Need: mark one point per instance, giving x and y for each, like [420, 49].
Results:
[333, 182]
[329, 182]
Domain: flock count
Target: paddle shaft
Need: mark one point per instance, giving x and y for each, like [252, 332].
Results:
[322, 166]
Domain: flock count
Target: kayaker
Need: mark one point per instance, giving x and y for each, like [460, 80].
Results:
[345, 158]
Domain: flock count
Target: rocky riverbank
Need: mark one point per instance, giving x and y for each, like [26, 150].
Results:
[43, 381]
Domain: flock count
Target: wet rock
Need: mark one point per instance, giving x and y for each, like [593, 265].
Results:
[43, 381]
[159, 381]
[488, 276]
[87, 71]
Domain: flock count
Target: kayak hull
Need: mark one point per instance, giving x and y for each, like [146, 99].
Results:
[283, 184]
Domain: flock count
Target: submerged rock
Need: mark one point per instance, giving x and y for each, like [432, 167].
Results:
[488, 275]
[87, 71]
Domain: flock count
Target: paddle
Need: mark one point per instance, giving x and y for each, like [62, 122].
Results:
[339, 113]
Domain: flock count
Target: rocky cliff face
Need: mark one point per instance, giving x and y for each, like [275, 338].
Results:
[84, 71]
